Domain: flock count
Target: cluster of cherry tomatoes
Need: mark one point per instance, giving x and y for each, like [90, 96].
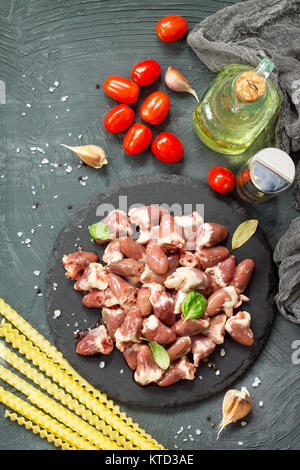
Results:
[166, 146]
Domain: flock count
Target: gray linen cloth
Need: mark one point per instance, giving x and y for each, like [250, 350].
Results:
[287, 257]
[244, 33]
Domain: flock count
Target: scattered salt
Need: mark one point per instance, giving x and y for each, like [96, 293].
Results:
[52, 89]
[19, 234]
[222, 352]
[28, 105]
[198, 432]
[45, 161]
[102, 364]
[64, 98]
[261, 404]
[244, 389]
[56, 313]
[240, 443]
[256, 382]
[37, 273]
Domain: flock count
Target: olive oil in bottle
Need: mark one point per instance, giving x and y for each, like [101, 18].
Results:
[236, 107]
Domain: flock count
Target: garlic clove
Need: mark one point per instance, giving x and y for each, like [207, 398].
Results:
[177, 82]
[92, 155]
[236, 405]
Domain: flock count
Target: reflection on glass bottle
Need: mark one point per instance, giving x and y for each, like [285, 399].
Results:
[236, 107]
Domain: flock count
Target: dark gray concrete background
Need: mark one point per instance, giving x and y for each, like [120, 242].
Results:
[78, 44]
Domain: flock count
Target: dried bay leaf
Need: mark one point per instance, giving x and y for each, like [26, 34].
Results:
[244, 231]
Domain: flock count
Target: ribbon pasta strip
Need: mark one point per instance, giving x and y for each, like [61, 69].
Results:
[57, 411]
[36, 429]
[59, 394]
[54, 364]
[41, 419]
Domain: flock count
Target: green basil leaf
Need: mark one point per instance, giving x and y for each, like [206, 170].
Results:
[193, 305]
[100, 231]
[160, 355]
[244, 231]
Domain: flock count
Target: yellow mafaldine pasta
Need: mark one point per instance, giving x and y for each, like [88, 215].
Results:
[61, 376]
[58, 393]
[60, 413]
[41, 419]
[124, 424]
[36, 429]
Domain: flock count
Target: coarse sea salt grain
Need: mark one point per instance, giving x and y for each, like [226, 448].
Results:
[244, 389]
[45, 161]
[27, 241]
[222, 352]
[240, 443]
[69, 169]
[261, 404]
[37, 273]
[28, 105]
[217, 372]
[256, 382]
[56, 83]
[243, 423]
[102, 364]
[180, 430]
[64, 98]
[52, 89]
[19, 234]
[198, 432]
[56, 313]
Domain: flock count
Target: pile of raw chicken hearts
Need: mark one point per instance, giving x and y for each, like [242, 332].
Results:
[144, 283]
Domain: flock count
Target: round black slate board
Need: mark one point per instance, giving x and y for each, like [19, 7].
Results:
[153, 189]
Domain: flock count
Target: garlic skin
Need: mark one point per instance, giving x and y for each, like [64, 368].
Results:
[236, 405]
[92, 155]
[177, 82]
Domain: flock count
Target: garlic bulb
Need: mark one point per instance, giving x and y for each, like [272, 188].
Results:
[92, 155]
[236, 405]
[177, 82]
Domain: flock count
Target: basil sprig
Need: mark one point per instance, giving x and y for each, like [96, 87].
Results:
[100, 231]
[193, 305]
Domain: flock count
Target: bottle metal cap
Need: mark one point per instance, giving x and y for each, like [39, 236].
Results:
[272, 170]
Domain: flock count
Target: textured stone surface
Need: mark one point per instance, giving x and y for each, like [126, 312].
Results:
[79, 44]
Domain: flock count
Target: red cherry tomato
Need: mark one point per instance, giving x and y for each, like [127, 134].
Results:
[137, 139]
[171, 28]
[221, 179]
[121, 89]
[118, 118]
[146, 72]
[155, 108]
[167, 148]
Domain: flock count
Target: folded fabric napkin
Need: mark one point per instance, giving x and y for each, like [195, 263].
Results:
[244, 33]
[287, 258]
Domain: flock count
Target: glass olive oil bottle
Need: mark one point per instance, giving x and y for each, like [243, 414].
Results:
[236, 107]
